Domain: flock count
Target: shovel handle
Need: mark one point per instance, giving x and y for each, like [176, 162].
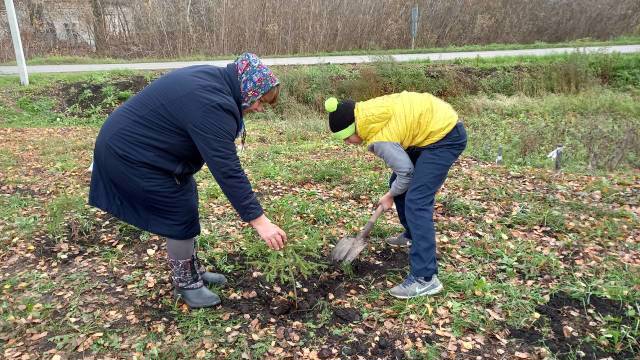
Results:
[367, 228]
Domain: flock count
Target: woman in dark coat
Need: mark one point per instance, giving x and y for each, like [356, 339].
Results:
[150, 147]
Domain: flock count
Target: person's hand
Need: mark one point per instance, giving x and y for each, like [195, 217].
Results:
[269, 232]
[386, 201]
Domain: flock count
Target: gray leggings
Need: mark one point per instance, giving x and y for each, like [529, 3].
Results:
[180, 249]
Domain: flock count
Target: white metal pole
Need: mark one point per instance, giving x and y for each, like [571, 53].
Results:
[17, 42]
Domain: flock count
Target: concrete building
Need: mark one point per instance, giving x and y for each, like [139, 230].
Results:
[67, 21]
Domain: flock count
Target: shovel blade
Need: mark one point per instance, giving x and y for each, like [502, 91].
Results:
[342, 248]
[355, 250]
[347, 249]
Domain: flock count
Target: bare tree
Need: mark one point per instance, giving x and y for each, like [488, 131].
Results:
[99, 27]
[171, 28]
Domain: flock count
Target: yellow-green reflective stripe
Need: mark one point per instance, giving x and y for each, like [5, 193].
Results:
[345, 133]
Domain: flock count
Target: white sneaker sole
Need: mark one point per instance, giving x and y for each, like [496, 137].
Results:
[399, 245]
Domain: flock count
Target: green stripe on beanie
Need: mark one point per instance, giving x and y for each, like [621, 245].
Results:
[341, 117]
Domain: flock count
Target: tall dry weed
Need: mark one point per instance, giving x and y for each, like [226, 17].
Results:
[175, 28]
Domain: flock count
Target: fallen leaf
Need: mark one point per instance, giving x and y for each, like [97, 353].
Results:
[249, 294]
[567, 330]
[388, 324]
[38, 336]
[522, 355]
[495, 315]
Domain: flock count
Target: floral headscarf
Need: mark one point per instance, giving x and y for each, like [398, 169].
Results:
[255, 78]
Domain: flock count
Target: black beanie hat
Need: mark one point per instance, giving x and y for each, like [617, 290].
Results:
[341, 114]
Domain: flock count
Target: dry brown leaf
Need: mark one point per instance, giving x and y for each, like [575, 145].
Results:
[452, 347]
[38, 336]
[495, 315]
[567, 330]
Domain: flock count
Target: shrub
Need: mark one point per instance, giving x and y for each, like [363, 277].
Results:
[302, 255]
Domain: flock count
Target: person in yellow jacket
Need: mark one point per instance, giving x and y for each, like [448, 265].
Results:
[419, 137]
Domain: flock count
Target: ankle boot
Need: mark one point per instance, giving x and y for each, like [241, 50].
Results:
[209, 278]
[188, 285]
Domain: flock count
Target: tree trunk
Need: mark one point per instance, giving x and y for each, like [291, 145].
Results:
[99, 27]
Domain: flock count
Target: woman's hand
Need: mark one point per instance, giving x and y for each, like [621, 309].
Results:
[386, 201]
[269, 232]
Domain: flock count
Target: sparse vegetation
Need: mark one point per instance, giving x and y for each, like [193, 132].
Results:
[177, 29]
[535, 264]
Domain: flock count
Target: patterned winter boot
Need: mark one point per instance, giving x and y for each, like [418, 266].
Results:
[209, 278]
[188, 285]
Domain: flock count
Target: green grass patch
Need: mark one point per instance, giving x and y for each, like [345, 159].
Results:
[534, 76]
[578, 100]
[7, 159]
[16, 214]
[598, 129]
[68, 215]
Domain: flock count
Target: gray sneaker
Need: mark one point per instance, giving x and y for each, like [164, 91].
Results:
[399, 240]
[413, 287]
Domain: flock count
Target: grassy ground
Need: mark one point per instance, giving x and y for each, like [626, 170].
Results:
[65, 59]
[535, 264]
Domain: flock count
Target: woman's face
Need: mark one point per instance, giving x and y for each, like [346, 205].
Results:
[271, 97]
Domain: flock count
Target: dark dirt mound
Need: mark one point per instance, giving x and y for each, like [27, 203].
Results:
[381, 263]
[258, 296]
[274, 300]
[346, 315]
[267, 301]
[567, 317]
[606, 306]
[78, 97]
[528, 335]
[362, 347]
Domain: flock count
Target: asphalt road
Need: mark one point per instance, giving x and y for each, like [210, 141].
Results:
[312, 60]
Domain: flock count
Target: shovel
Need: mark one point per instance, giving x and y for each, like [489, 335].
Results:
[349, 248]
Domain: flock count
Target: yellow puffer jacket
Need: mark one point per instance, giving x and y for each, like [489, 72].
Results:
[408, 118]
